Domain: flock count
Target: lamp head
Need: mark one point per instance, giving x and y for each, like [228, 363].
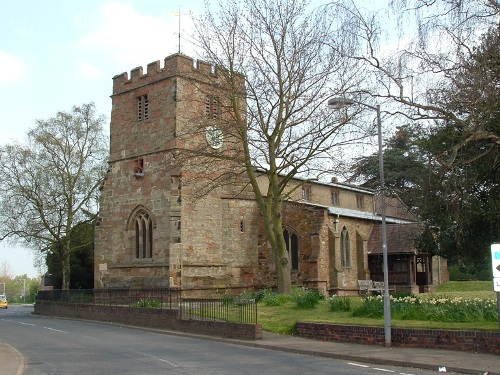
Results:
[338, 103]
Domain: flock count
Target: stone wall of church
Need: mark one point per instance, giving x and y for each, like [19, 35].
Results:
[123, 193]
[310, 223]
[219, 244]
[344, 278]
[319, 250]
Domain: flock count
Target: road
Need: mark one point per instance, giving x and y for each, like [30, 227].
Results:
[58, 346]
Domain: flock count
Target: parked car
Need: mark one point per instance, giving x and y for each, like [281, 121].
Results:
[3, 301]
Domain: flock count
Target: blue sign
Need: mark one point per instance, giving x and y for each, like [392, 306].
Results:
[495, 260]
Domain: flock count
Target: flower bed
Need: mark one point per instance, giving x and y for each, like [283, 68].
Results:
[438, 309]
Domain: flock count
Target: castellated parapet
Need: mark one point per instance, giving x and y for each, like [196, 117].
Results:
[174, 65]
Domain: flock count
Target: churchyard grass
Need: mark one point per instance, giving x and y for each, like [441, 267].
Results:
[281, 317]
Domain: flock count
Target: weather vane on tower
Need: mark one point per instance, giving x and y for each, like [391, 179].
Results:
[178, 14]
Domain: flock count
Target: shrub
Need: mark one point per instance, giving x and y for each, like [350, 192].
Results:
[306, 298]
[227, 300]
[372, 307]
[81, 297]
[271, 298]
[337, 303]
[258, 295]
[462, 274]
[148, 303]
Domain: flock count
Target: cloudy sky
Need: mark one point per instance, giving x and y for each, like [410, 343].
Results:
[55, 54]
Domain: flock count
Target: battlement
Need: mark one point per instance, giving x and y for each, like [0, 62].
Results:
[174, 65]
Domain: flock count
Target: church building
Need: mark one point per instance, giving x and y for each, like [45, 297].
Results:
[155, 231]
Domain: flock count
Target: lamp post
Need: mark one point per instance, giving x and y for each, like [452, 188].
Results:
[339, 103]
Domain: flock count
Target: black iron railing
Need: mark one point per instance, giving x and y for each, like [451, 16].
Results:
[228, 309]
[240, 310]
[153, 298]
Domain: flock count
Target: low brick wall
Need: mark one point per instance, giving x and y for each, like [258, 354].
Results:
[153, 318]
[469, 341]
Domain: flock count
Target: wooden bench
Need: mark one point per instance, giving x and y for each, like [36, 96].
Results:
[367, 286]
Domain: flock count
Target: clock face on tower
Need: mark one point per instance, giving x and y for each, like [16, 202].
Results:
[214, 137]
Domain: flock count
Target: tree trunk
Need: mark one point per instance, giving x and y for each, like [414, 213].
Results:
[65, 263]
[273, 225]
[283, 267]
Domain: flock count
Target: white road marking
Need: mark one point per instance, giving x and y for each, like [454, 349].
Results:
[53, 329]
[26, 324]
[357, 364]
[376, 368]
[158, 358]
[13, 321]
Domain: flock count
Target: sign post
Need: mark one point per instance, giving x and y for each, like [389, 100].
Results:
[495, 263]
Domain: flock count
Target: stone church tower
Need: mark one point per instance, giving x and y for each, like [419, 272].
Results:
[160, 226]
[151, 231]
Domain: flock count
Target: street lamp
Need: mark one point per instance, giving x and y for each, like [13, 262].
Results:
[339, 103]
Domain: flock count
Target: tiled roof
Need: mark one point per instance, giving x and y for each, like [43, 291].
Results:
[365, 215]
[400, 238]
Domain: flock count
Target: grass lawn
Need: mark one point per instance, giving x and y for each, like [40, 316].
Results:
[282, 319]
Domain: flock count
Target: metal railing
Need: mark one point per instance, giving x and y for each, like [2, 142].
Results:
[148, 298]
[152, 298]
[238, 310]
[227, 309]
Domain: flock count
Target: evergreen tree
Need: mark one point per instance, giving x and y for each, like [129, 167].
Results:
[81, 260]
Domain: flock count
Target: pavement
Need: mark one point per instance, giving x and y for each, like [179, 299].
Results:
[12, 361]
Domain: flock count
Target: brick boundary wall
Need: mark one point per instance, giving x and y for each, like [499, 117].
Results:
[469, 341]
[152, 318]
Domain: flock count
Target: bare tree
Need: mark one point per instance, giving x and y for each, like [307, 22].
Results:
[417, 72]
[5, 273]
[51, 183]
[278, 71]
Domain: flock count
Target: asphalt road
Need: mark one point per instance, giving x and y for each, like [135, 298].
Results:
[58, 346]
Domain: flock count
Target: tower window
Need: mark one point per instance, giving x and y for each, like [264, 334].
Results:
[212, 107]
[208, 102]
[139, 167]
[142, 108]
[143, 236]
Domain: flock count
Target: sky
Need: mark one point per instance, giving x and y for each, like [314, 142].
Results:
[56, 54]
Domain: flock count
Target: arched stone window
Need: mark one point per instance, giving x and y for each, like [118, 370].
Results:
[345, 248]
[143, 225]
[292, 246]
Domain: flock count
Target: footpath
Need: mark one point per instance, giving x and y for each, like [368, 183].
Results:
[12, 361]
